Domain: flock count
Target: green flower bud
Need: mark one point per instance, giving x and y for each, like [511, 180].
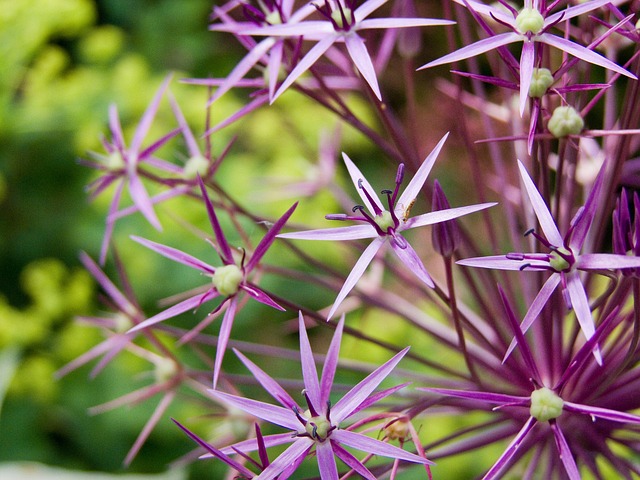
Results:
[541, 80]
[565, 121]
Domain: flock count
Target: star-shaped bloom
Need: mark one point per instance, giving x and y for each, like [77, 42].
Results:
[530, 26]
[385, 226]
[318, 425]
[564, 260]
[342, 22]
[122, 163]
[227, 280]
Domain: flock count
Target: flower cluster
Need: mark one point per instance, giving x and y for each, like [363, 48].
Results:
[521, 301]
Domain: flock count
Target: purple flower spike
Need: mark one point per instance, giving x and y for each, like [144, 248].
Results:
[341, 24]
[564, 260]
[317, 426]
[227, 280]
[385, 224]
[530, 26]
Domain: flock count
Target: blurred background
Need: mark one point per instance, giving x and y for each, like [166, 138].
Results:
[63, 63]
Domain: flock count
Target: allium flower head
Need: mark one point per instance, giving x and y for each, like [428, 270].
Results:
[530, 25]
[385, 224]
[318, 425]
[226, 281]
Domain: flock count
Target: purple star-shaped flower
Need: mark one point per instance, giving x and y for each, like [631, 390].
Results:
[564, 259]
[318, 424]
[385, 226]
[227, 280]
[530, 26]
[342, 22]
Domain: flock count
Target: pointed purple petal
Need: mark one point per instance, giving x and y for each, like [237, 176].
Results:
[110, 223]
[410, 258]
[351, 461]
[358, 178]
[147, 117]
[118, 297]
[565, 453]
[574, 11]
[357, 271]
[605, 413]
[272, 387]
[223, 338]
[583, 53]
[375, 447]
[227, 256]
[509, 451]
[536, 307]
[402, 23]
[175, 255]
[606, 261]
[260, 296]
[540, 208]
[358, 394]
[141, 199]
[268, 239]
[488, 397]
[584, 218]
[241, 469]
[527, 58]
[476, 48]
[309, 371]
[298, 449]
[270, 413]
[326, 461]
[443, 215]
[243, 66]
[309, 59]
[498, 262]
[367, 8]
[354, 232]
[331, 363]
[184, 306]
[580, 304]
[417, 182]
[360, 56]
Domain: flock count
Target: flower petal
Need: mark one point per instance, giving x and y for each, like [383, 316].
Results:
[326, 461]
[540, 208]
[356, 272]
[223, 338]
[359, 179]
[410, 258]
[443, 215]
[309, 371]
[362, 60]
[354, 232]
[331, 363]
[272, 387]
[271, 413]
[417, 182]
[176, 255]
[376, 447]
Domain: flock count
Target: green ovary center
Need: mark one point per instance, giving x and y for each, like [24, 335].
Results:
[557, 262]
[545, 404]
[114, 162]
[196, 165]
[336, 16]
[384, 220]
[227, 279]
[529, 20]
[318, 428]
